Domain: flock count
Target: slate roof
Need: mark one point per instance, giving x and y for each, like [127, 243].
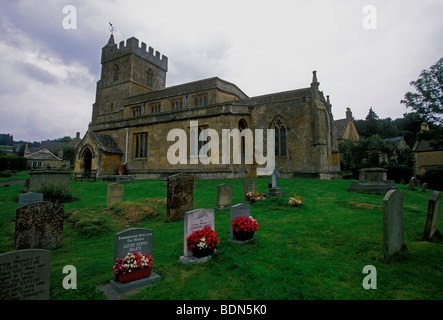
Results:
[106, 143]
[340, 125]
[423, 146]
[43, 154]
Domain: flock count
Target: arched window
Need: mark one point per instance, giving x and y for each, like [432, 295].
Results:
[116, 70]
[241, 126]
[280, 136]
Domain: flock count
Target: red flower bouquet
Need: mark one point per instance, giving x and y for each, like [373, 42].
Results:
[202, 242]
[244, 228]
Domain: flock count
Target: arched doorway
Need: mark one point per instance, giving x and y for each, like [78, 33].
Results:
[87, 159]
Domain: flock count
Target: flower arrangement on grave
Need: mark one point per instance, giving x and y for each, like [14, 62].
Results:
[245, 224]
[256, 196]
[202, 242]
[133, 266]
[296, 201]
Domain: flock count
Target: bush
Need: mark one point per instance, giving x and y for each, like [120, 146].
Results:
[399, 172]
[434, 178]
[6, 174]
[56, 194]
[12, 163]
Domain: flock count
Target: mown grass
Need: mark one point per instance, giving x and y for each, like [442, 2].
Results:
[316, 251]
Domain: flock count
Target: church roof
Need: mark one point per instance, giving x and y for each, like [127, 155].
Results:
[189, 88]
[106, 143]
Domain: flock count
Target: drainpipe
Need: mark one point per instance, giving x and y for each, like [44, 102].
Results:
[127, 140]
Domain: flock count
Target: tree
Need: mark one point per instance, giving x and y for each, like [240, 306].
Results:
[428, 100]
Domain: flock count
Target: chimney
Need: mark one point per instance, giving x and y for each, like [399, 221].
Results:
[77, 135]
[424, 127]
[348, 114]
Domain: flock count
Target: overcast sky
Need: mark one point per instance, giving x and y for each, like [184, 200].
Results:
[364, 56]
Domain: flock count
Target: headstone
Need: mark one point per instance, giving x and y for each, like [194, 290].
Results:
[372, 174]
[195, 220]
[25, 275]
[423, 187]
[275, 190]
[180, 195]
[224, 196]
[39, 226]
[248, 186]
[411, 184]
[238, 210]
[41, 178]
[432, 215]
[132, 240]
[393, 222]
[28, 198]
[115, 193]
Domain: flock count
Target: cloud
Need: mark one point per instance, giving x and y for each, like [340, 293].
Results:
[261, 46]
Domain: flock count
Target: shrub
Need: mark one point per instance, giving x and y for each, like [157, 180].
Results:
[56, 194]
[399, 172]
[434, 178]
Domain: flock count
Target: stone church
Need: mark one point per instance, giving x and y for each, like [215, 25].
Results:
[134, 111]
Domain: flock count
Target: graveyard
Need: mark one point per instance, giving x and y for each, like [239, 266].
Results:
[316, 251]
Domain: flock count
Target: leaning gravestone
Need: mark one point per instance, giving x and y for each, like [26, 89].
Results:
[115, 193]
[224, 196]
[28, 198]
[248, 186]
[238, 210]
[393, 222]
[39, 226]
[432, 216]
[25, 274]
[129, 241]
[196, 220]
[180, 195]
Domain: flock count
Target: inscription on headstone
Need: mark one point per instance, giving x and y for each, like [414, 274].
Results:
[25, 274]
[39, 225]
[115, 192]
[28, 198]
[180, 195]
[248, 186]
[224, 196]
[393, 222]
[133, 240]
[196, 220]
[238, 210]
[432, 215]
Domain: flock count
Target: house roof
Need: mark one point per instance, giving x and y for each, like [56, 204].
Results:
[43, 154]
[424, 145]
[340, 125]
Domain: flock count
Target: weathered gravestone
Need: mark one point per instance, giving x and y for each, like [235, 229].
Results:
[248, 186]
[41, 178]
[132, 240]
[411, 184]
[39, 226]
[423, 187]
[115, 193]
[224, 196]
[239, 210]
[28, 198]
[25, 274]
[180, 195]
[432, 215]
[196, 220]
[274, 190]
[393, 222]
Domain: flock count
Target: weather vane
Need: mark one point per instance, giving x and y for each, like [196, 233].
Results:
[111, 28]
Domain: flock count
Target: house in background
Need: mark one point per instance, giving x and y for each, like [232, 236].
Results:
[44, 159]
[346, 129]
[425, 155]
[55, 147]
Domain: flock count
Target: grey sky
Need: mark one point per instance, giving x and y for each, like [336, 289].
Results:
[49, 73]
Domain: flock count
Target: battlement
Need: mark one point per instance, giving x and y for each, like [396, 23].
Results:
[112, 51]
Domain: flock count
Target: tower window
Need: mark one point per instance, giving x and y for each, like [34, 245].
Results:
[149, 77]
[116, 71]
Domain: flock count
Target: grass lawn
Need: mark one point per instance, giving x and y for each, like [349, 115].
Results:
[317, 251]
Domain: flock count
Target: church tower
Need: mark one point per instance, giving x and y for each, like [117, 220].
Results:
[127, 70]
